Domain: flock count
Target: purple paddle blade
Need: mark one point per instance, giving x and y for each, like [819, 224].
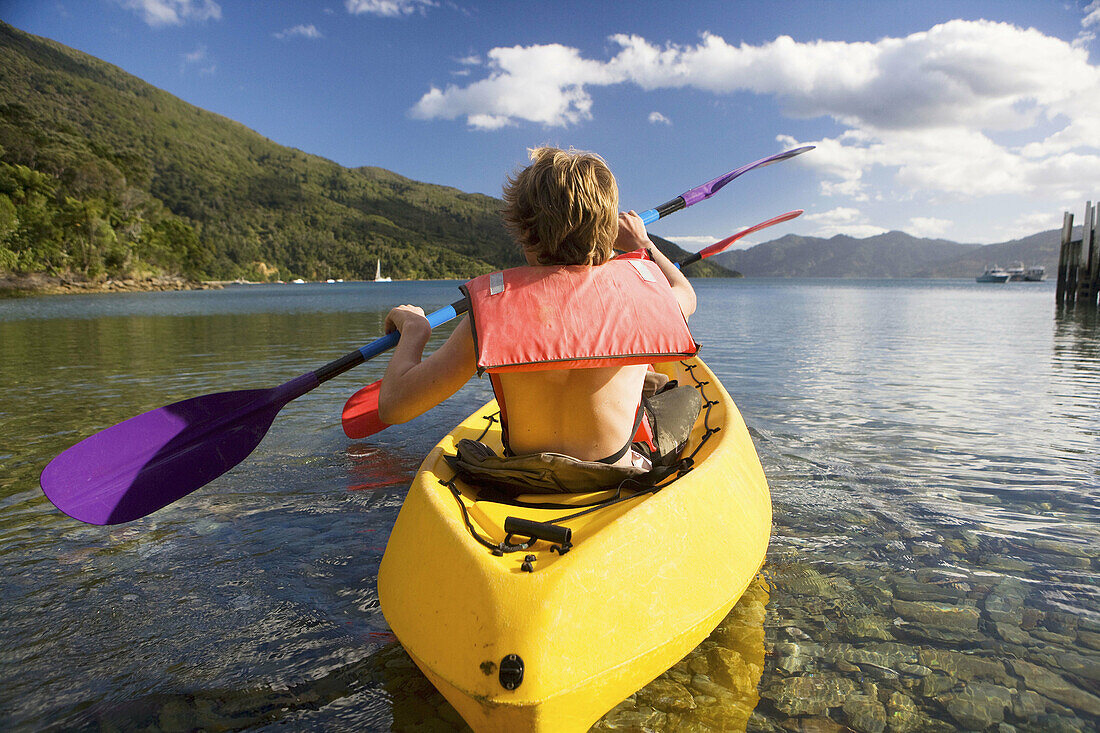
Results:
[710, 188]
[131, 469]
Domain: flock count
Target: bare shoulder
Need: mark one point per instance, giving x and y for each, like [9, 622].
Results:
[458, 350]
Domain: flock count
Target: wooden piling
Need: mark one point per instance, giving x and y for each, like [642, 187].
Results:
[1063, 258]
[1090, 251]
[1079, 260]
[1082, 253]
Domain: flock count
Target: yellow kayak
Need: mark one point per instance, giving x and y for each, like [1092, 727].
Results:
[551, 637]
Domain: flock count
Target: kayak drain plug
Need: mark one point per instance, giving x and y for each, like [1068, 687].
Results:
[511, 672]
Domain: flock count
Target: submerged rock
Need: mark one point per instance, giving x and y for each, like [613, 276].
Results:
[1006, 603]
[935, 684]
[789, 657]
[1085, 667]
[938, 615]
[1013, 634]
[867, 627]
[865, 714]
[667, 695]
[1028, 704]
[963, 666]
[911, 590]
[978, 705]
[801, 579]
[809, 695]
[1056, 687]
[635, 720]
[902, 714]
[1091, 639]
[1065, 548]
[1052, 637]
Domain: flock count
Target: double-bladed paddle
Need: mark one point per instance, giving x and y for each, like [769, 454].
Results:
[131, 469]
[360, 417]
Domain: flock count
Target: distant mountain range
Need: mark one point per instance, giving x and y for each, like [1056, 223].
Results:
[890, 255]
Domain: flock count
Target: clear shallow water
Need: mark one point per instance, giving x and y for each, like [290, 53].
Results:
[931, 448]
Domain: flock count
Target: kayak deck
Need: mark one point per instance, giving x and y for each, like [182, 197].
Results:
[550, 637]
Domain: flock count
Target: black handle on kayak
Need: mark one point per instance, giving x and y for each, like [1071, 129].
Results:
[538, 530]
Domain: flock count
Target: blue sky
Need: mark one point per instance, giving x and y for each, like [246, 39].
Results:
[973, 121]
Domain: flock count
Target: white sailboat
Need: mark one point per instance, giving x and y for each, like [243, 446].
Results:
[378, 274]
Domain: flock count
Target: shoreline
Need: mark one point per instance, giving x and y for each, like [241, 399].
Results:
[26, 286]
[15, 286]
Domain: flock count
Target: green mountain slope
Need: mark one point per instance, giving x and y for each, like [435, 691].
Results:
[104, 175]
[117, 174]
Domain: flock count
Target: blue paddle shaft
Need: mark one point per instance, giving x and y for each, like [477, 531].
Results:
[389, 341]
[383, 344]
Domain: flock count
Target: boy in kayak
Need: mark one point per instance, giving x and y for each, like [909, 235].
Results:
[567, 339]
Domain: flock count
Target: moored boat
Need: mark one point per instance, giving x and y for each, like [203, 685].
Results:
[549, 636]
[993, 274]
[1035, 274]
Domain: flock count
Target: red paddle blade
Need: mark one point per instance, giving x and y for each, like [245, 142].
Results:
[719, 246]
[360, 418]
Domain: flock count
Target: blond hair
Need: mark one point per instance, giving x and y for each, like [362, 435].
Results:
[564, 207]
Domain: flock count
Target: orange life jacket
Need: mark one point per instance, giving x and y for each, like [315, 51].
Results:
[619, 313]
[574, 316]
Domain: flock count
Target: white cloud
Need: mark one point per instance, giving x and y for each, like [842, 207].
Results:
[692, 242]
[468, 62]
[975, 73]
[1092, 14]
[196, 56]
[842, 220]
[1040, 221]
[657, 118]
[174, 12]
[925, 226]
[199, 58]
[925, 111]
[388, 8]
[544, 84]
[305, 31]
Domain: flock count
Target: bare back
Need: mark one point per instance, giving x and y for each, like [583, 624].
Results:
[584, 413]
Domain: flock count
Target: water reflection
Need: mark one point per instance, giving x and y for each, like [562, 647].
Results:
[356, 692]
[931, 449]
[714, 687]
[1075, 360]
[375, 467]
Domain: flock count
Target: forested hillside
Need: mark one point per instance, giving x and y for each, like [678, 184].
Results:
[103, 175]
